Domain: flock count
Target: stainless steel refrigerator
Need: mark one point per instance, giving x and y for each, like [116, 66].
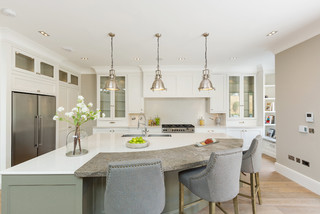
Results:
[33, 129]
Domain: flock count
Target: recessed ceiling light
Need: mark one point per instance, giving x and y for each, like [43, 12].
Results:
[8, 12]
[137, 58]
[69, 49]
[272, 33]
[84, 58]
[233, 58]
[181, 58]
[43, 33]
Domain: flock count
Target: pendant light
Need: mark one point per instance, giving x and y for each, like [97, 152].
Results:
[205, 84]
[111, 83]
[157, 84]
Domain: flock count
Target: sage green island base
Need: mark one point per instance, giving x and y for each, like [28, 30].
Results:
[39, 194]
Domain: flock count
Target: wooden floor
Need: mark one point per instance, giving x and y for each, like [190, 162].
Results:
[279, 195]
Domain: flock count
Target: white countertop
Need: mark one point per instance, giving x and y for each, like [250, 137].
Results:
[56, 162]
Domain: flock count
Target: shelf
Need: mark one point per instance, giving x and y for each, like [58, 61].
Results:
[269, 139]
[268, 124]
[269, 86]
[270, 112]
[270, 98]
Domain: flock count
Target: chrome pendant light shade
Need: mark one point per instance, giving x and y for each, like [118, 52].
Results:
[157, 84]
[111, 83]
[205, 84]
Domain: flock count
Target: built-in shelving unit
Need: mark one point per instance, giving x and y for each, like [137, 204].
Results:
[269, 115]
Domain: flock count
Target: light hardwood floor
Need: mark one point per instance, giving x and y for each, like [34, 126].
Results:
[279, 195]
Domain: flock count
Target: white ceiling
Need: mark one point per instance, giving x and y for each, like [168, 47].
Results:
[237, 29]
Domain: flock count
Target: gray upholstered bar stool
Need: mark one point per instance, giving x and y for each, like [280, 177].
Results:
[217, 182]
[251, 163]
[134, 187]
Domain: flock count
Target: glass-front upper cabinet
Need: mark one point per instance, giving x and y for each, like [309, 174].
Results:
[113, 103]
[24, 62]
[241, 96]
[46, 69]
[234, 96]
[120, 98]
[105, 98]
[248, 97]
[63, 76]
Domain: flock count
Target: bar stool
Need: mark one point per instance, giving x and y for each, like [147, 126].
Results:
[215, 183]
[251, 163]
[135, 186]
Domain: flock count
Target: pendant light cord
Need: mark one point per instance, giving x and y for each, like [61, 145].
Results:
[205, 54]
[158, 67]
[111, 53]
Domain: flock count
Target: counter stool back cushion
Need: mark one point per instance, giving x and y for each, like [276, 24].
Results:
[135, 186]
[251, 160]
[219, 181]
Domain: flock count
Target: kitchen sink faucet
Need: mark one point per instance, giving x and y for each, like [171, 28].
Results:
[145, 130]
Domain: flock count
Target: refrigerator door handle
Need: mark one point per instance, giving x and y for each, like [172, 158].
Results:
[36, 125]
[41, 131]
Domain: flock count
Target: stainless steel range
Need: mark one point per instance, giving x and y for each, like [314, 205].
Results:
[177, 128]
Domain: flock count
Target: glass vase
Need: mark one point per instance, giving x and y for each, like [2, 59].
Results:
[77, 143]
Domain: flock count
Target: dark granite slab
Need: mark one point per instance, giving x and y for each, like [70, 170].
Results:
[180, 158]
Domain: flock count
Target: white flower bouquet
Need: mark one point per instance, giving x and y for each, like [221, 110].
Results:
[78, 116]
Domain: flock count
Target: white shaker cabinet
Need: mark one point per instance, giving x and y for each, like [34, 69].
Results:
[217, 103]
[135, 94]
[247, 134]
[68, 97]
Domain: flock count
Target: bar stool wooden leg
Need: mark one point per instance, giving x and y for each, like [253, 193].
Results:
[236, 205]
[253, 194]
[258, 186]
[181, 198]
[212, 208]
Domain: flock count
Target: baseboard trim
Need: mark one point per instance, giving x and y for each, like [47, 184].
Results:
[299, 178]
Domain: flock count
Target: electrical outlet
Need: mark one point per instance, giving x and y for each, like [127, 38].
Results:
[306, 163]
[298, 160]
[311, 130]
[290, 157]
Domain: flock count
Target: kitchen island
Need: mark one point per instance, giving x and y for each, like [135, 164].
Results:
[54, 183]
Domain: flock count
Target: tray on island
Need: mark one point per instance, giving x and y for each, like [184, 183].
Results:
[137, 146]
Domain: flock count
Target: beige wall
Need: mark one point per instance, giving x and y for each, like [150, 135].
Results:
[89, 92]
[297, 92]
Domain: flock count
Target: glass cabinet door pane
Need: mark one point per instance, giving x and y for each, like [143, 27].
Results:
[248, 91]
[74, 80]
[46, 69]
[234, 96]
[63, 76]
[24, 62]
[120, 98]
[105, 98]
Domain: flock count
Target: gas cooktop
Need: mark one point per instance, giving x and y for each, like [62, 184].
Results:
[177, 128]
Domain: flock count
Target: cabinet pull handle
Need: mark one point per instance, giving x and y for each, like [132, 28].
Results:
[112, 122]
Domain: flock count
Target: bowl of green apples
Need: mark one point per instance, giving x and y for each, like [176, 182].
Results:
[137, 143]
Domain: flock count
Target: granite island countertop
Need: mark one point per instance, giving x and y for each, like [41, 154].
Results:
[180, 158]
